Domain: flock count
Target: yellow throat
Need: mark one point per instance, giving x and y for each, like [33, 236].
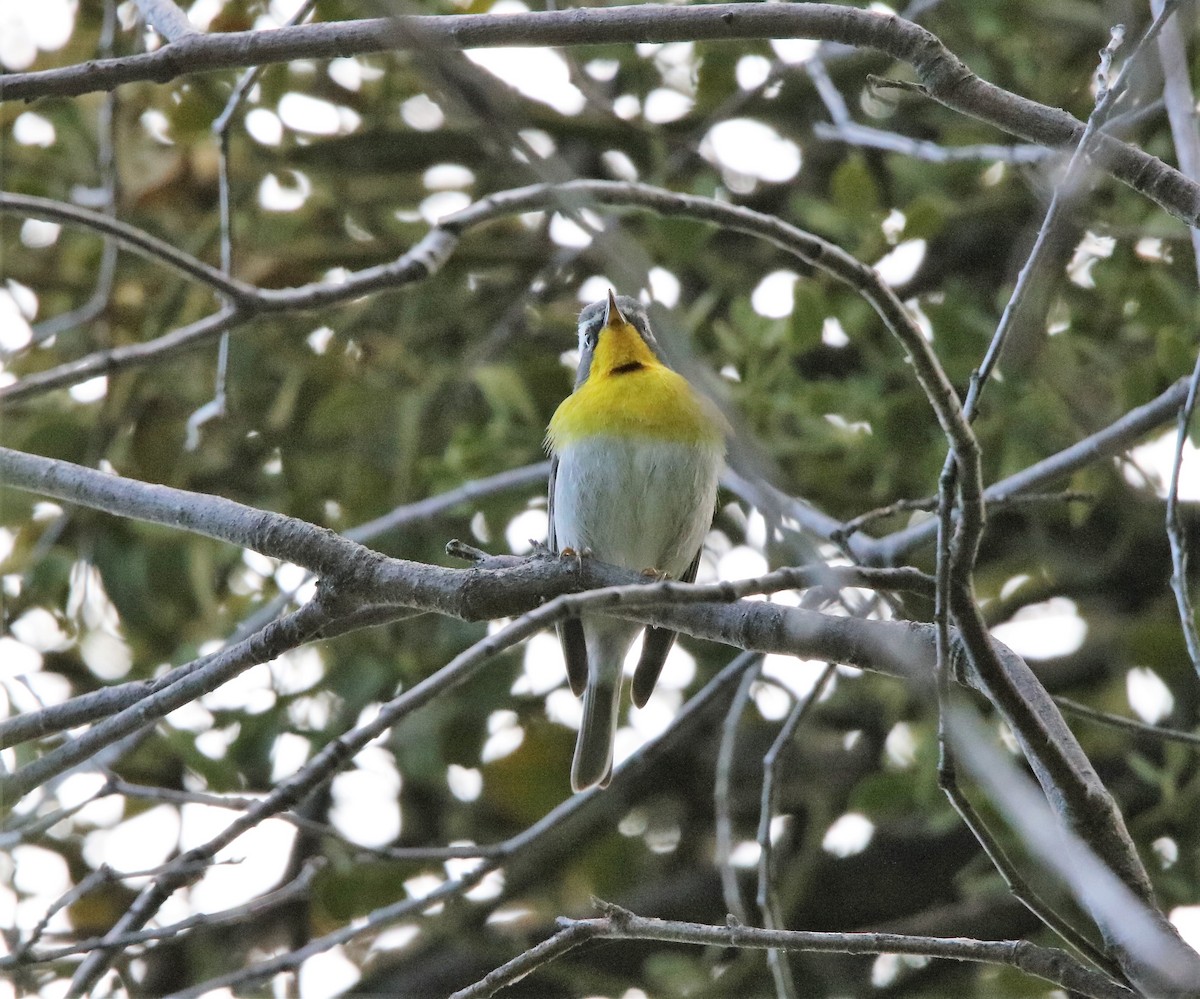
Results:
[630, 393]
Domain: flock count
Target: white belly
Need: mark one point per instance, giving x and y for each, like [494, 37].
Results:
[636, 503]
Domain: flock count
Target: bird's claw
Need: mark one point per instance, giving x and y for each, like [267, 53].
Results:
[578, 556]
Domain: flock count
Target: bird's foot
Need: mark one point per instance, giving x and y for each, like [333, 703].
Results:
[578, 556]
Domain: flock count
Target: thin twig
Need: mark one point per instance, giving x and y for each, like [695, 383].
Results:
[1042, 962]
[1128, 724]
[106, 163]
[781, 972]
[1065, 192]
[1180, 102]
[854, 134]
[215, 407]
[1013, 880]
[959, 562]
[297, 888]
[529, 841]
[102, 875]
[528, 962]
[929, 504]
[138, 240]
[468, 492]
[722, 792]
[1109, 442]
[407, 853]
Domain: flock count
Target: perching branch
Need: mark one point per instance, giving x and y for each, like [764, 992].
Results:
[897, 647]
[504, 585]
[190, 681]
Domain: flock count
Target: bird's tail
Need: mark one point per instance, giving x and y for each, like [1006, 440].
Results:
[594, 747]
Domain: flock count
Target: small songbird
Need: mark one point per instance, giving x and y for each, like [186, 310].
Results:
[636, 453]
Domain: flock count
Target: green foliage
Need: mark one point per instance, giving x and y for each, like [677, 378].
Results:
[418, 390]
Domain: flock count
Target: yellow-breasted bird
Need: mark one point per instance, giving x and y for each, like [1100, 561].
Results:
[633, 481]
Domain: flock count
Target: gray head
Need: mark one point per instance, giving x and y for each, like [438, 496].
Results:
[596, 316]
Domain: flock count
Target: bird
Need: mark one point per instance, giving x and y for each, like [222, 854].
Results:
[636, 453]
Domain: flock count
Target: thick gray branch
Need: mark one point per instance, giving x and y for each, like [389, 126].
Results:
[272, 534]
[945, 77]
[506, 586]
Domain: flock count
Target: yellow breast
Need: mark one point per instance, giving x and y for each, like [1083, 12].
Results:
[630, 393]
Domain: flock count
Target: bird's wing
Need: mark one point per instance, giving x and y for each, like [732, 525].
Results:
[570, 632]
[551, 538]
[655, 646]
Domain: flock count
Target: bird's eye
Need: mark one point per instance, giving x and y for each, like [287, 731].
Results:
[589, 340]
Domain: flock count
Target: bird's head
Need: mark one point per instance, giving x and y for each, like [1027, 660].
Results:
[615, 336]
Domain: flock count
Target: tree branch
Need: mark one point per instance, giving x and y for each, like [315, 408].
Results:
[619, 924]
[143, 243]
[1117, 437]
[1154, 957]
[522, 855]
[1128, 724]
[898, 647]
[1181, 113]
[166, 18]
[272, 534]
[427, 256]
[297, 888]
[424, 259]
[201, 677]
[945, 78]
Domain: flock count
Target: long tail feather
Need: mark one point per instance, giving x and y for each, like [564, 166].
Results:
[594, 747]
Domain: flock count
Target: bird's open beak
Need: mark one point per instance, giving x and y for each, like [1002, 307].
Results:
[612, 315]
